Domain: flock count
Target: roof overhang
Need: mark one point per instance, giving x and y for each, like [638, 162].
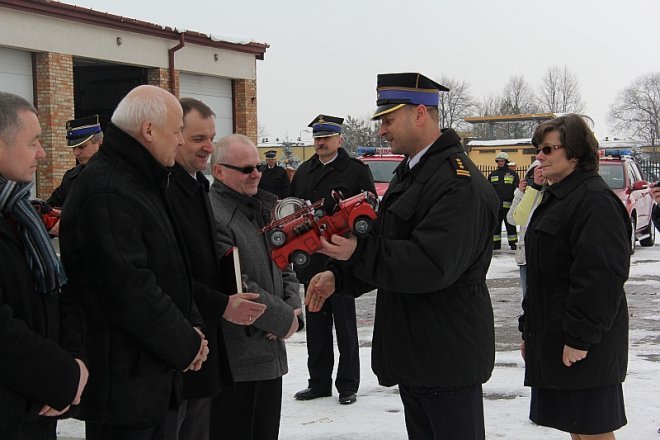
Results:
[69, 12]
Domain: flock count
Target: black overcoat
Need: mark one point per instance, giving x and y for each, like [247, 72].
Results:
[190, 204]
[130, 275]
[578, 256]
[275, 180]
[37, 344]
[58, 197]
[428, 255]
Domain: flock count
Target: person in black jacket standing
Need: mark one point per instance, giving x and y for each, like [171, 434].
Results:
[427, 255]
[84, 137]
[575, 320]
[128, 270]
[188, 193]
[41, 371]
[274, 178]
[505, 181]
[330, 169]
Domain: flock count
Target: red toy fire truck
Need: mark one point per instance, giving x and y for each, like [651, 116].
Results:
[298, 235]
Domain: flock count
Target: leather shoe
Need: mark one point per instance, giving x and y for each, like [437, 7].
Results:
[347, 397]
[310, 394]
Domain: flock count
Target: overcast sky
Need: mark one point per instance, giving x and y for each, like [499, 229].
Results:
[324, 56]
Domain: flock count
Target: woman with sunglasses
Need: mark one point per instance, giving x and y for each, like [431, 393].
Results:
[575, 317]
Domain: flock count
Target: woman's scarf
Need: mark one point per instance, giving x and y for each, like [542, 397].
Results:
[49, 276]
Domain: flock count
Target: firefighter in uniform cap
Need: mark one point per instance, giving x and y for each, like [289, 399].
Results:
[330, 169]
[505, 181]
[274, 178]
[427, 255]
[84, 136]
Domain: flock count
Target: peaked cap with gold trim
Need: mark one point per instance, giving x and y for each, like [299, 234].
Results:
[79, 131]
[324, 126]
[396, 90]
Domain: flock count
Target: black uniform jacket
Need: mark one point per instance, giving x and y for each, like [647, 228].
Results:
[578, 255]
[314, 181]
[275, 180]
[505, 183]
[130, 275]
[190, 205]
[58, 197]
[428, 256]
[37, 348]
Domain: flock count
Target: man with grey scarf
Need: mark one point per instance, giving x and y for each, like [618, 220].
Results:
[41, 373]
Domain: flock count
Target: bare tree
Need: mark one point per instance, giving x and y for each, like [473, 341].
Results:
[455, 104]
[636, 110]
[560, 91]
[360, 132]
[518, 98]
[262, 131]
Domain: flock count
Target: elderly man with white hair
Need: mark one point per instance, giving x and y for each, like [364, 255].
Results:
[122, 251]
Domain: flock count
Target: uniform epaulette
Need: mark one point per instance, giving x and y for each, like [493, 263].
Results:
[458, 165]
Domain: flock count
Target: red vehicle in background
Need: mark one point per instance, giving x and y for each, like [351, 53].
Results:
[298, 235]
[382, 163]
[624, 176]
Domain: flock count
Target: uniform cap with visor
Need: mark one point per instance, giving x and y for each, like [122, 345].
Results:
[325, 126]
[79, 131]
[396, 90]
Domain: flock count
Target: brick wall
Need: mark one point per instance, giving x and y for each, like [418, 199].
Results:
[160, 77]
[54, 98]
[245, 107]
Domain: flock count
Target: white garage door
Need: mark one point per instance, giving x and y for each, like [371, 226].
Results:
[16, 72]
[16, 75]
[214, 92]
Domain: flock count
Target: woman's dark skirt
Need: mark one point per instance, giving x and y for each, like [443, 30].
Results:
[588, 411]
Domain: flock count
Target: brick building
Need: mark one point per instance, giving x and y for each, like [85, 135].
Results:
[73, 62]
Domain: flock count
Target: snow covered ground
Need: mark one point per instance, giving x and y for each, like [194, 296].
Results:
[378, 413]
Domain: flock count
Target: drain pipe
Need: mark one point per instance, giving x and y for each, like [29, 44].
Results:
[170, 55]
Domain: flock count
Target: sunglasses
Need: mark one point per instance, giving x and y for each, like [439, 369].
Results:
[548, 149]
[245, 170]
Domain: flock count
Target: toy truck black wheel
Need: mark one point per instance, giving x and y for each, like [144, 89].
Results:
[362, 225]
[300, 259]
[277, 238]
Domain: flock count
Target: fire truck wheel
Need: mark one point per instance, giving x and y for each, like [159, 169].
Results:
[300, 259]
[277, 238]
[362, 225]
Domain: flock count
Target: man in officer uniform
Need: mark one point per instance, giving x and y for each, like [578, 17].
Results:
[84, 136]
[505, 181]
[330, 169]
[274, 178]
[427, 255]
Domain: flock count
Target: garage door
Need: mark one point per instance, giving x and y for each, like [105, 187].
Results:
[16, 72]
[16, 75]
[214, 92]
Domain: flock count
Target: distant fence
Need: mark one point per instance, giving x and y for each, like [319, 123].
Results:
[650, 168]
[487, 169]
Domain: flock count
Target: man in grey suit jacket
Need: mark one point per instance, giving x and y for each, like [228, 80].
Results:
[257, 356]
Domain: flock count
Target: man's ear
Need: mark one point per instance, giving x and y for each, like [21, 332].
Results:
[147, 131]
[216, 171]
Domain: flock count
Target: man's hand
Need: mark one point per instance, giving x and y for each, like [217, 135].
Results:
[294, 324]
[321, 286]
[47, 411]
[84, 375]
[242, 310]
[339, 248]
[55, 230]
[522, 185]
[202, 354]
[572, 355]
